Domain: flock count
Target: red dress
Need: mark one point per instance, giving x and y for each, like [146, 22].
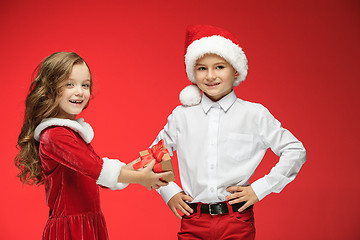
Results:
[71, 168]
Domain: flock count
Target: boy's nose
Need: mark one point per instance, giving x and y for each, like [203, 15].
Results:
[210, 75]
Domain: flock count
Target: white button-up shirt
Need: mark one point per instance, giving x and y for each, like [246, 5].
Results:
[220, 144]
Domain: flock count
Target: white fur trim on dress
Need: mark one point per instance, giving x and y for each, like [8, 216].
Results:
[80, 126]
[220, 46]
[110, 173]
[190, 95]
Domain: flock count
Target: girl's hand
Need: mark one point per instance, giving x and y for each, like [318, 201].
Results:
[129, 166]
[178, 202]
[151, 180]
[242, 194]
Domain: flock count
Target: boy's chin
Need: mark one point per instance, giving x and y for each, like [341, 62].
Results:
[216, 96]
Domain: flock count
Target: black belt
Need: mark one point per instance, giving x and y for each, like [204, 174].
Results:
[217, 208]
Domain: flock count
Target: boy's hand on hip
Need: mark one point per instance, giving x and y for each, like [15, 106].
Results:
[178, 202]
[242, 194]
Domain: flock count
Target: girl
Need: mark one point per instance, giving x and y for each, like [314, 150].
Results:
[55, 150]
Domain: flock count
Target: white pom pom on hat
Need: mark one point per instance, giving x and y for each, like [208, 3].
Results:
[190, 95]
[204, 39]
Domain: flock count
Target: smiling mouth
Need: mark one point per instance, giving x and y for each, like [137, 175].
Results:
[212, 84]
[76, 101]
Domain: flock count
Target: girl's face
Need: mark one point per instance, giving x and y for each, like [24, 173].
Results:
[214, 76]
[75, 92]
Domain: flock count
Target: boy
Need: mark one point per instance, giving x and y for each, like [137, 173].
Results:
[220, 140]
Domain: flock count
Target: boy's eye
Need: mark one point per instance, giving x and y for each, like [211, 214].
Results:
[220, 67]
[201, 68]
[86, 85]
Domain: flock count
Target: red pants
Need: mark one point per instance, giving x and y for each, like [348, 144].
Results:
[234, 225]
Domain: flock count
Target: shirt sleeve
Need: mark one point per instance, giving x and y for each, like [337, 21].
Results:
[284, 144]
[169, 135]
[65, 147]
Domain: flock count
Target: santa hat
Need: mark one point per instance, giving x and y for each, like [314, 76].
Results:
[204, 39]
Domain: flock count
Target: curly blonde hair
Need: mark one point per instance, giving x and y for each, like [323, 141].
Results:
[42, 102]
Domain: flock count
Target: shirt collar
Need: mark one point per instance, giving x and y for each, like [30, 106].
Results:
[225, 103]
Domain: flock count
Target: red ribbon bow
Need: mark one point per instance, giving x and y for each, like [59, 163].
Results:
[155, 152]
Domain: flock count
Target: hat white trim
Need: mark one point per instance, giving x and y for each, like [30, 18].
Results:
[221, 46]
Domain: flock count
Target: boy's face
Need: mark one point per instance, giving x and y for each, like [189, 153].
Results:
[214, 76]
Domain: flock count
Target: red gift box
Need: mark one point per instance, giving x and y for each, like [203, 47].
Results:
[162, 157]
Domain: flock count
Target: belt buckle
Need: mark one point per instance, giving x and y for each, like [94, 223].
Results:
[215, 205]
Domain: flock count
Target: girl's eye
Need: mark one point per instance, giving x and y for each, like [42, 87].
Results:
[201, 68]
[86, 85]
[220, 67]
[68, 85]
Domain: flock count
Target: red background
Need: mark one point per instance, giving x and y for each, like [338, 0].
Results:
[303, 66]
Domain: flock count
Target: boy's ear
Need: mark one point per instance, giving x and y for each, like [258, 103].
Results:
[237, 74]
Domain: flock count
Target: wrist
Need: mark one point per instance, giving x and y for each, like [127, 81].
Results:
[130, 176]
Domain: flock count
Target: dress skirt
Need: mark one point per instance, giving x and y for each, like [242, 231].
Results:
[90, 226]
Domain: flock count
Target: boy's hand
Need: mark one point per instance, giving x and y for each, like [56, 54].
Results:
[178, 202]
[151, 180]
[242, 194]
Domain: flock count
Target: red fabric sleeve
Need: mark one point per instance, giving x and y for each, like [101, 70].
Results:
[63, 146]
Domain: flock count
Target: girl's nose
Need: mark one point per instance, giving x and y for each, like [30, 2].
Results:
[79, 91]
